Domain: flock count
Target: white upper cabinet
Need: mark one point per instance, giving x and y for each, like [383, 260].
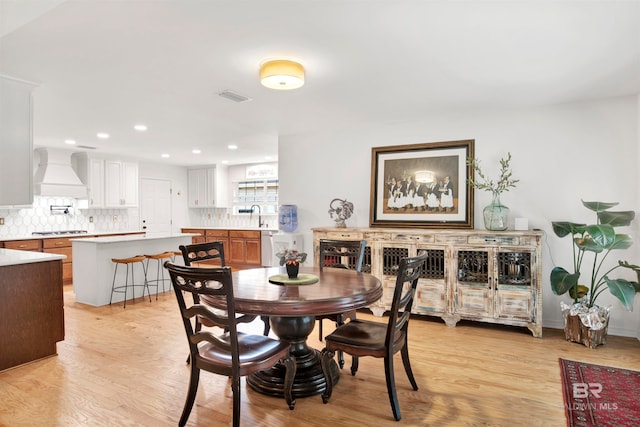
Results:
[110, 183]
[121, 184]
[90, 170]
[198, 188]
[16, 142]
[208, 187]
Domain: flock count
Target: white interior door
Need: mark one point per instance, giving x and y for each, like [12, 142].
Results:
[155, 205]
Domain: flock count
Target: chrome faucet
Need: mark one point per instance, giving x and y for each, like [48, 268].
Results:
[260, 224]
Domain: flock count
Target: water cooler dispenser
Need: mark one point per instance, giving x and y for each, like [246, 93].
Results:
[286, 238]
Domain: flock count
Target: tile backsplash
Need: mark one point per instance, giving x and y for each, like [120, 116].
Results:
[224, 217]
[20, 222]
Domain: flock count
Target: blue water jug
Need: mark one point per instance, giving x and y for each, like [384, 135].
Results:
[288, 218]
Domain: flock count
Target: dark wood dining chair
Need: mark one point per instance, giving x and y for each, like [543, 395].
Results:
[232, 353]
[348, 254]
[207, 252]
[212, 253]
[368, 338]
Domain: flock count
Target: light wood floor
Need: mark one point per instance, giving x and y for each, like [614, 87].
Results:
[121, 367]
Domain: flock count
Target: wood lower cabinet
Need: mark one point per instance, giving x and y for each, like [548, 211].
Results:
[219, 236]
[245, 248]
[61, 246]
[210, 235]
[31, 312]
[242, 248]
[478, 275]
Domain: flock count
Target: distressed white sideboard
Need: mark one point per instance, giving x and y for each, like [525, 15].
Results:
[478, 275]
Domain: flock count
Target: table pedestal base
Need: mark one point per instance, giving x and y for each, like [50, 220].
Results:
[309, 379]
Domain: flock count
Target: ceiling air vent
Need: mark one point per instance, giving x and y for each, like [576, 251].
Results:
[236, 97]
[85, 146]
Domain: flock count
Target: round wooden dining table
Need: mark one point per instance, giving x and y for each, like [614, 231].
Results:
[292, 309]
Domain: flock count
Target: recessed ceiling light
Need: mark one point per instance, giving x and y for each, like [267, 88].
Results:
[232, 147]
[164, 156]
[267, 157]
[140, 128]
[225, 162]
[102, 135]
[196, 151]
[69, 141]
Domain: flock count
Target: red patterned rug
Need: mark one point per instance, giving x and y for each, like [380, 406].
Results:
[596, 395]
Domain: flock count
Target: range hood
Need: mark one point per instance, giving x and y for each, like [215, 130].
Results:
[55, 176]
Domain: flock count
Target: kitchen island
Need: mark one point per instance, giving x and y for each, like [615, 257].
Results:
[31, 306]
[93, 268]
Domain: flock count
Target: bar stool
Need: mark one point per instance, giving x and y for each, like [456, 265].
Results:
[176, 254]
[160, 269]
[128, 262]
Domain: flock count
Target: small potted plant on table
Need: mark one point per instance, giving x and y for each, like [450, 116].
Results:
[586, 322]
[291, 258]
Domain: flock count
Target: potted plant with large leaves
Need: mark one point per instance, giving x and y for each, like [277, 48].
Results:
[585, 321]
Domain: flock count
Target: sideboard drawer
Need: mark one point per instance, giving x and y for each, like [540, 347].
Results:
[491, 239]
[345, 235]
[422, 238]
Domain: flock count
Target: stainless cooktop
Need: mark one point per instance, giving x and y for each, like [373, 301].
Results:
[58, 233]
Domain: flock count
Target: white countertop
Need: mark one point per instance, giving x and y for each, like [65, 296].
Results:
[58, 236]
[128, 238]
[233, 228]
[13, 257]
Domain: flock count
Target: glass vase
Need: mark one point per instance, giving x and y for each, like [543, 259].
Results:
[496, 215]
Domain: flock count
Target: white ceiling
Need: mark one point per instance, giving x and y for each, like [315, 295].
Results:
[103, 66]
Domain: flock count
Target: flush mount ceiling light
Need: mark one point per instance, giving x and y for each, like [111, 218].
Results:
[282, 74]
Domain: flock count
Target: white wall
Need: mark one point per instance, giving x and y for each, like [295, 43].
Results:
[561, 154]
